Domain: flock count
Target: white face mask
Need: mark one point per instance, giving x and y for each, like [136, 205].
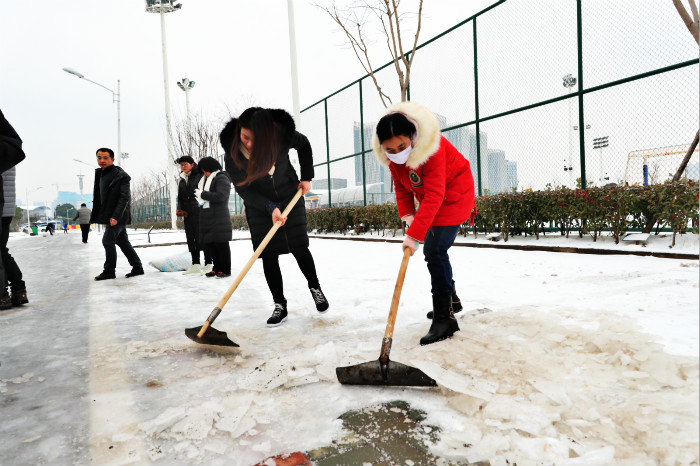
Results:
[401, 157]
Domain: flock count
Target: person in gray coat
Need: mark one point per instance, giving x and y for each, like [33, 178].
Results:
[11, 154]
[212, 194]
[18, 290]
[83, 218]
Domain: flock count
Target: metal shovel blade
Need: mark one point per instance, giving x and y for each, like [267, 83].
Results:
[211, 337]
[377, 373]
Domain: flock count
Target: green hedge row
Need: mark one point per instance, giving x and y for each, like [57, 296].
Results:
[584, 211]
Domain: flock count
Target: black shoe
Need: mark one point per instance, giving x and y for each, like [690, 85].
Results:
[19, 297]
[222, 275]
[278, 316]
[319, 299]
[105, 276]
[444, 324]
[210, 274]
[134, 272]
[5, 301]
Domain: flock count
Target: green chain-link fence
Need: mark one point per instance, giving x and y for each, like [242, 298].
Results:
[535, 94]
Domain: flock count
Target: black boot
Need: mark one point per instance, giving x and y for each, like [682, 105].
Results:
[19, 296]
[456, 303]
[444, 323]
[5, 301]
[105, 276]
[135, 271]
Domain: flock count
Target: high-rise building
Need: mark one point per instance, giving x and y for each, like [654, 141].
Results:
[495, 180]
[375, 173]
[511, 176]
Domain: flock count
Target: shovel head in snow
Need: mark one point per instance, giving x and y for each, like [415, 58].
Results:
[211, 336]
[378, 373]
[383, 371]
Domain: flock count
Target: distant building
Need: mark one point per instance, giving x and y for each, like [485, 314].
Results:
[511, 176]
[322, 183]
[495, 180]
[375, 173]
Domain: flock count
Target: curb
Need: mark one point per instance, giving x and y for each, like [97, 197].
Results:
[663, 255]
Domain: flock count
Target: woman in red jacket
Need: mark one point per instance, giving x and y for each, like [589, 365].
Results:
[427, 168]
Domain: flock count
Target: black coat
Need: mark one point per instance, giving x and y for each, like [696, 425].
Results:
[11, 152]
[185, 192]
[276, 190]
[117, 201]
[215, 221]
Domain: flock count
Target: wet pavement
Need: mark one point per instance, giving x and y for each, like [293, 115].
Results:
[388, 434]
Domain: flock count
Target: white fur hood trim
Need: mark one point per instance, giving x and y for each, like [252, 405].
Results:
[427, 140]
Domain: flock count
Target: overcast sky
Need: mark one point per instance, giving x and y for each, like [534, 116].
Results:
[236, 52]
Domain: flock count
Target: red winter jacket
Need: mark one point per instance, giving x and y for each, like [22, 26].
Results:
[436, 174]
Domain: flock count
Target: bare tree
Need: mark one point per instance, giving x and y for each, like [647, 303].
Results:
[690, 23]
[197, 138]
[353, 22]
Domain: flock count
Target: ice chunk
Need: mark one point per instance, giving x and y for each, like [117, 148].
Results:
[461, 383]
[166, 419]
[196, 425]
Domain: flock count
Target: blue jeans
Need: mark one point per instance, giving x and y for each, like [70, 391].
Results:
[116, 236]
[437, 241]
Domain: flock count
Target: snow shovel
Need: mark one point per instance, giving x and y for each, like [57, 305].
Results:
[383, 371]
[208, 335]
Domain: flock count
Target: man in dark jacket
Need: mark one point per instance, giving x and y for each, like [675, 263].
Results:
[11, 154]
[111, 207]
[188, 208]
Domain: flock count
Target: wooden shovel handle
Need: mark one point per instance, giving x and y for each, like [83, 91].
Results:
[389, 333]
[251, 261]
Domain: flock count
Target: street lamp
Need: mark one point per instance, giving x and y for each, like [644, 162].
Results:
[161, 7]
[115, 98]
[569, 82]
[599, 143]
[186, 85]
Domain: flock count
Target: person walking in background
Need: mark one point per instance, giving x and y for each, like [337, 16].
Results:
[427, 168]
[65, 228]
[212, 193]
[188, 209]
[11, 154]
[83, 218]
[17, 293]
[256, 149]
[111, 207]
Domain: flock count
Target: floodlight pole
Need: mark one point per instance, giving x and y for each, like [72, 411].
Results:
[161, 7]
[569, 82]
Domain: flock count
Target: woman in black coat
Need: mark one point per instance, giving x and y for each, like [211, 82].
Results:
[257, 158]
[188, 208]
[212, 193]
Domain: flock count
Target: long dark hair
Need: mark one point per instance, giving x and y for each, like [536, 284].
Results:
[265, 143]
[394, 124]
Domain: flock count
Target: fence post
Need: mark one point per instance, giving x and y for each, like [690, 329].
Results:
[581, 135]
[328, 151]
[362, 147]
[476, 114]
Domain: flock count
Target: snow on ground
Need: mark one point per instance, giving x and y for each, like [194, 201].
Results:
[565, 359]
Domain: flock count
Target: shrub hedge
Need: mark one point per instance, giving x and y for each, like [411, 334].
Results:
[589, 211]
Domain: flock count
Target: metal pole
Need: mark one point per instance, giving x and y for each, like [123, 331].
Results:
[119, 122]
[572, 181]
[170, 162]
[293, 60]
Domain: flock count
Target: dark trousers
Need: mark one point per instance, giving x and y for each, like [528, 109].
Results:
[273, 274]
[193, 245]
[13, 274]
[116, 236]
[437, 241]
[85, 230]
[221, 255]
